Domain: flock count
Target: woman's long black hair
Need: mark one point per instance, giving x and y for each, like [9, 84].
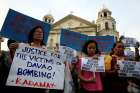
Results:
[31, 33]
[112, 50]
[84, 49]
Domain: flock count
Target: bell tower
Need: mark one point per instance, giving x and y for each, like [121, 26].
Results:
[106, 24]
[48, 18]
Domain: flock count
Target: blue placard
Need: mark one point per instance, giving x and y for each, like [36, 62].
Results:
[17, 26]
[105, 43]
[72, 39]
[76, 40]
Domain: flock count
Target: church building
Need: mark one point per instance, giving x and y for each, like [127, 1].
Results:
[104, 25]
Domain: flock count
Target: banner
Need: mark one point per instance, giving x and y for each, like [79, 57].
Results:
[76, 40]
[129, 69]
[93, 65]
[17, 26]
[129, 42]
[37, 68]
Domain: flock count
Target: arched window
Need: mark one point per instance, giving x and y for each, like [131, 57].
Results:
[106, 26]
[101, 15]
[49, 20]
[98, 27]
[105, 14]
[46, 20]
[113, 26]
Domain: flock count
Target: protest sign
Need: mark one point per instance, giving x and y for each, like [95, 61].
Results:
[94, 65]
[76, 40]
[129, 42]
[72, 39]
[68, 52]
[37, 68]
[69, 85]
[105, 43]
[129, 54]
[17, 26]
[129, 69]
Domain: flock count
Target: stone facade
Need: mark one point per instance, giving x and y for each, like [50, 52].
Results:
[105, 25]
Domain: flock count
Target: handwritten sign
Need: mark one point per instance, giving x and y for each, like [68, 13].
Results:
[94, 65]
[129, 42]
[17, 25]
[76, 40]
[37, 68]
[129, 69]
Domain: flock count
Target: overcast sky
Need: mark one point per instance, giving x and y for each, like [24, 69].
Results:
[125, 12]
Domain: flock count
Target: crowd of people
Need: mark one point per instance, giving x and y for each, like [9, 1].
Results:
[84, 81]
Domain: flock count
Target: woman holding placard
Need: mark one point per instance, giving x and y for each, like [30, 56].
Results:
[112, 82]
[35, 39]
[90, 82]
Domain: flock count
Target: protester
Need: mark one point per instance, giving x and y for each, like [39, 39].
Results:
[11, 45]
[6, 67]
[90, 82]
[35, 39]
[3, 69]
[57, 49]
[137, 55]
[74, 73]
[134, 83]
[112, 82]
